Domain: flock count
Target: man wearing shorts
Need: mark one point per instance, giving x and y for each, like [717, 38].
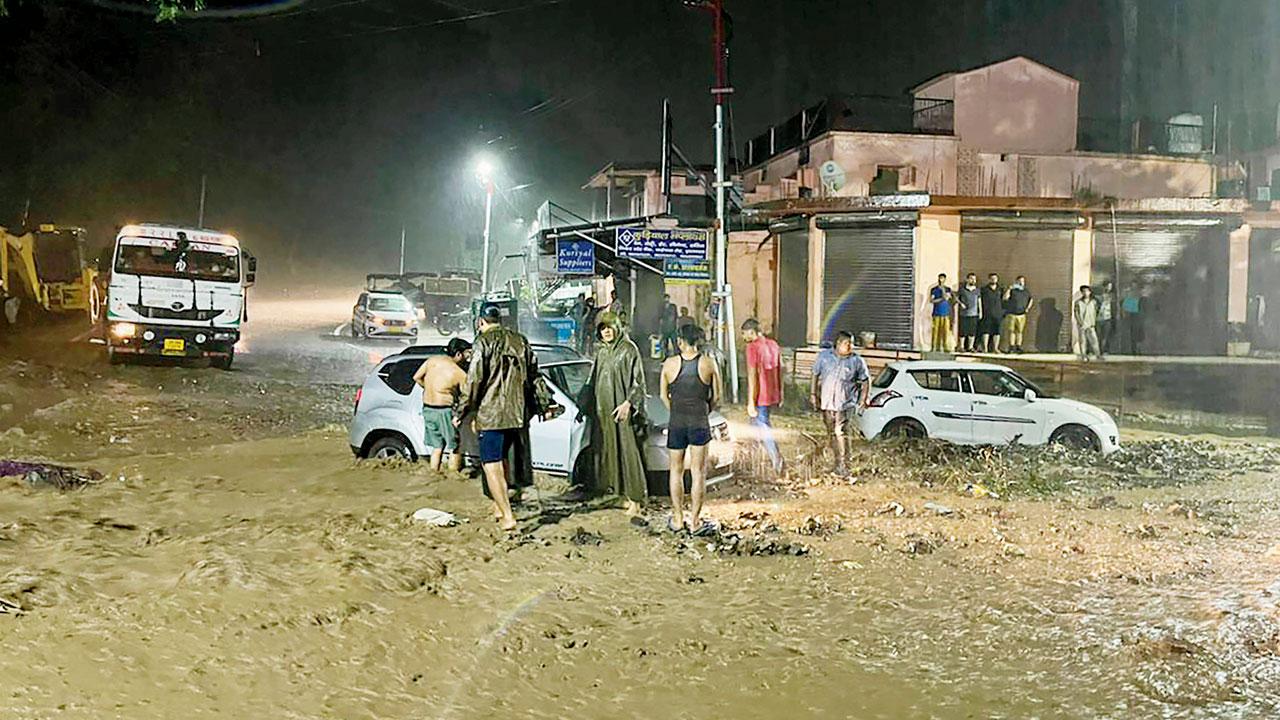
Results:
[441, 378]
[970, 296]
[838, 389]
[504, 391]
[690, 387]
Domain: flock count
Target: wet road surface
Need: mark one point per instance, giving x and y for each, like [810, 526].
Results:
[237, 562]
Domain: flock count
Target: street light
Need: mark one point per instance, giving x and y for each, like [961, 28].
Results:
[484, 170]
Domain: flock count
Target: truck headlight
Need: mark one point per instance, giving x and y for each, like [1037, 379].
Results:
[124, 330]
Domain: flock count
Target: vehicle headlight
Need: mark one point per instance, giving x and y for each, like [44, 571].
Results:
[148, 335]
[375, 320]
[224, 336]
[124, 330]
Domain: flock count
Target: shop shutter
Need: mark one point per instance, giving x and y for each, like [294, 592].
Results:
[793, 288]
[1177, 266]
[869, 278]
[1038, 246]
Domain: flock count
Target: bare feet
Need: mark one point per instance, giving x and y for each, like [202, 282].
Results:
[508, 524]
[632, 508]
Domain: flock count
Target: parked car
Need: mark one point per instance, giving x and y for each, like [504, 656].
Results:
[388, 420]
[979, 403]
[382, 314]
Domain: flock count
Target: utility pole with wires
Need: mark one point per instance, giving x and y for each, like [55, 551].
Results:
[726, 337]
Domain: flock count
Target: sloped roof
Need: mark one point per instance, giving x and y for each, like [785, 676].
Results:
[1016, 58]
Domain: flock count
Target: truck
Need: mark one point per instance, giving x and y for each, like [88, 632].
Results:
[177, 292]
[442, 297]
[45, 269]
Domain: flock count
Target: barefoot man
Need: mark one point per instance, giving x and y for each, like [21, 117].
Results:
[501, 383]
[690, 388]
[441, 378]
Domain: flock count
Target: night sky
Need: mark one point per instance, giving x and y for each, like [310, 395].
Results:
[324, 129]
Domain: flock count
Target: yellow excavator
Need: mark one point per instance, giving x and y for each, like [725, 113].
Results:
[46, 269]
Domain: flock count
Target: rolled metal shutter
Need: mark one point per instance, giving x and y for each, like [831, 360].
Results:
[1177, 266]
[1037, 245]
[868, 280]
[793, 288]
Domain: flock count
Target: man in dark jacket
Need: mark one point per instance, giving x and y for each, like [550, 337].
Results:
[504, 390]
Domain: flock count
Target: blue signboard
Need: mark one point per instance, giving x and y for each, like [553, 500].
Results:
[563, 328]
[687, 272]
[655, 244]
[575, 257]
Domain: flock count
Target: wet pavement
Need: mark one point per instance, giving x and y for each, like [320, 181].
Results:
[233, 560]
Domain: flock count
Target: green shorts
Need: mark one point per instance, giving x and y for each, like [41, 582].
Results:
[438, 430]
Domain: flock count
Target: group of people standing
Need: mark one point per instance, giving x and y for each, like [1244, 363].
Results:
[992, 318]
[496, 386]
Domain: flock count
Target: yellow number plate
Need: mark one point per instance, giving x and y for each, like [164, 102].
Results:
[174, 346]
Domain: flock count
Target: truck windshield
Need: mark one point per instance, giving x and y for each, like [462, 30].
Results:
[197, 261]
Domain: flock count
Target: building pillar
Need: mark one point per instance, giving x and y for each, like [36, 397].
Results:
[1081, 273]
[817, 266]
[937, 250]
[1238, 285]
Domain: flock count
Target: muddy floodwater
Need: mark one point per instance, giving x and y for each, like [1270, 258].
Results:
[235, 561]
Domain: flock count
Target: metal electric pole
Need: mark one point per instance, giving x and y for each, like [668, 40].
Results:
[726, 337]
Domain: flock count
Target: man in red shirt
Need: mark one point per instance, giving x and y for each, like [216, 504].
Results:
[764, 384]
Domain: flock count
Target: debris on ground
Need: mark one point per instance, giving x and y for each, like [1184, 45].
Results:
[438, 518]
[1000, 471]
[581, 536]
[921, 544]
[939, 509]
[47, 475]
[763, 538]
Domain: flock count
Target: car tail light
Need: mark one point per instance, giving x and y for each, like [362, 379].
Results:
[359, 394]
[883, 397]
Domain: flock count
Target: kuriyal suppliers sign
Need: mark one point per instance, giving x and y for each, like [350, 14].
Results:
[575, 257]
[655, 244]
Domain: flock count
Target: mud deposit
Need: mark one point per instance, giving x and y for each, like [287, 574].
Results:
[248, 567]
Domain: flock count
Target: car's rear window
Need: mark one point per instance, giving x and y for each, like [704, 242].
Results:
[947, 380]
[552, 354]
[399, 375]
[885, 378]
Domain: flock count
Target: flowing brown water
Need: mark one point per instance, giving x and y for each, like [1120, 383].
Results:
[279, 579]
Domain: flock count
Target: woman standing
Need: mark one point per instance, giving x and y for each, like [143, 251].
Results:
[615, 395]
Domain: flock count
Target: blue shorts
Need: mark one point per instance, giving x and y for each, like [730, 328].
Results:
[679, 438]
[494, 444]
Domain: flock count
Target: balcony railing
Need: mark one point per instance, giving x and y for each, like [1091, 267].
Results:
[1150, 137]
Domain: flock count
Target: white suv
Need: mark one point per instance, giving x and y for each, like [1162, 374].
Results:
[979, 403]
[388, 420]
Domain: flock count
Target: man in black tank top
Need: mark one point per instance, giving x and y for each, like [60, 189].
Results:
[690, 388]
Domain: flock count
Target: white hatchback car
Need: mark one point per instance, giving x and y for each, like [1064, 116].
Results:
[388, 420]
[979, 403]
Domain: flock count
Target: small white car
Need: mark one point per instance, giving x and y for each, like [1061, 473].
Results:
[979, 403]
[388, 420]
[383, 314]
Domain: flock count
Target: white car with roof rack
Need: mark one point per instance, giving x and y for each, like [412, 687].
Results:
[979, 403]
[388, 420]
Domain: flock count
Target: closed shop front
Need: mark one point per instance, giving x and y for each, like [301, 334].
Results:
[868, 276]
[793, 281]
[1264, 289]
[1173, 280]
[1038, 245]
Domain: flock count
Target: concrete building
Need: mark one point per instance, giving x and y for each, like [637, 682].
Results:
[1009, 129]
[866, 264]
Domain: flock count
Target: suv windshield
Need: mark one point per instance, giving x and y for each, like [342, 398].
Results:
[197, 261]
[570, 377]
[389, 304]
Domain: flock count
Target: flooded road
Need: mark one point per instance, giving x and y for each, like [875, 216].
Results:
[237, 562]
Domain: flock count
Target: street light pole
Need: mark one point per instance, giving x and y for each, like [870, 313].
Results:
[488, 220]
[726, 336]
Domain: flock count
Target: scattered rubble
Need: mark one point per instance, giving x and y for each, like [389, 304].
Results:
[46, 475]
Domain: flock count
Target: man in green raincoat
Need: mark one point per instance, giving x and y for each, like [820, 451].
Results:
[615, 400]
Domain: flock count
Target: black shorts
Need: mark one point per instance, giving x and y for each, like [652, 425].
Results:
[494, 444]
[989, 326]
[679, 438]
[968, 325]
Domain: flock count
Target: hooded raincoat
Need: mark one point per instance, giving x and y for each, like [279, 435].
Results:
[618, 375]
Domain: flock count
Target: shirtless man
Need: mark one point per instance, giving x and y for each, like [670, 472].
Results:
[441, 378]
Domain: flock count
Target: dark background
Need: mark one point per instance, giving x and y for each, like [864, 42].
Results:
[327, 126]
